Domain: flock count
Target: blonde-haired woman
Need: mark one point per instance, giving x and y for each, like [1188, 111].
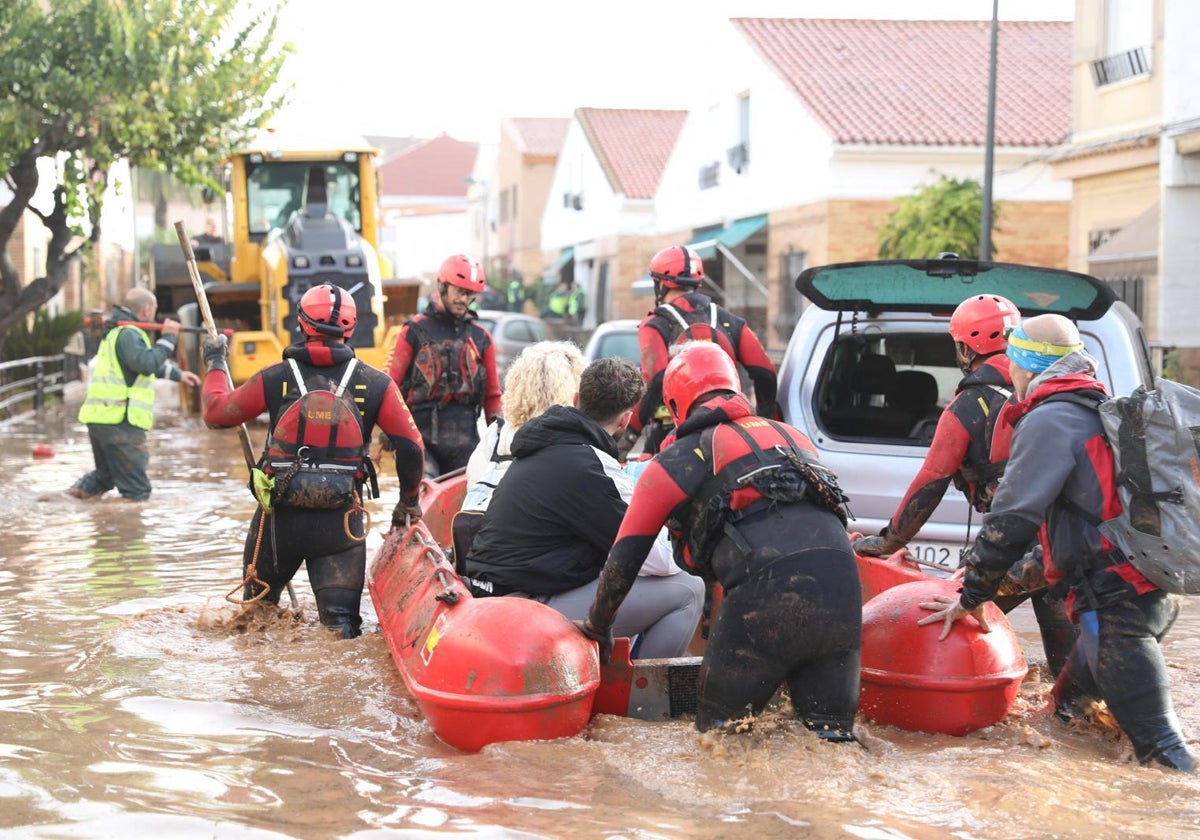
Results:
[544, 374]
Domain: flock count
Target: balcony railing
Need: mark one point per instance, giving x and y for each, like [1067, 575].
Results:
[1125, 65]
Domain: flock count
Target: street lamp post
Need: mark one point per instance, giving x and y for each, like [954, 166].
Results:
[985, 222]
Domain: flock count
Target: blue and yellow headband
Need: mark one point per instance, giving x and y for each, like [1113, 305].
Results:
[1035, 356]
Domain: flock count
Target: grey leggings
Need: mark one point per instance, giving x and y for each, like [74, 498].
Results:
[664, 611]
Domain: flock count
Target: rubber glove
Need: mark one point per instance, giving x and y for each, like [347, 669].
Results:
[604, 638]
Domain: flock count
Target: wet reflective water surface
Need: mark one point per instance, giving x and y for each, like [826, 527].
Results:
[135, 700]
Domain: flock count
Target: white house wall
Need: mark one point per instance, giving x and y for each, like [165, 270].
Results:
[793, 161]
[417, 245]
[1179, 248]
[605, 213]
[789, 151]
[888, 172]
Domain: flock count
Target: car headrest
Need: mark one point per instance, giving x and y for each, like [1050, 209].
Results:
[873, 374]
[914, 390]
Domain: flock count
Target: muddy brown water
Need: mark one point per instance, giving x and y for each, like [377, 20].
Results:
[134, 702]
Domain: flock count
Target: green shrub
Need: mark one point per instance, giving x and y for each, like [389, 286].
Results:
[47, 337]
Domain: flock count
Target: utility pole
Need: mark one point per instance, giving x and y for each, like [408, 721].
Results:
[985, 222]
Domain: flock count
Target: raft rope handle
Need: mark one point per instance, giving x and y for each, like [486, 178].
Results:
[448, 594]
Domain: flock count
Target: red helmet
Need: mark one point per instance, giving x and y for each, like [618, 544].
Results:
[327, 311]
[979, 322]
[464, 272]
[677, 267]
[698, 367]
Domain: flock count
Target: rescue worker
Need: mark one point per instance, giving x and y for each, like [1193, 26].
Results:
[961, 452]
[329, 540]
[1060, 479]
[445, 365]
[515, 294]
[559, 301]
[748, 506]
[683, 313]
[118, 408]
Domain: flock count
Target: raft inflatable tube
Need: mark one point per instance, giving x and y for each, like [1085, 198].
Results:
[912, 681]
[481, 670]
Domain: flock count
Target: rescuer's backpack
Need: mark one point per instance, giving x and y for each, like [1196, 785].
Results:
[315, 453]
[1155, 439]
[698, 324]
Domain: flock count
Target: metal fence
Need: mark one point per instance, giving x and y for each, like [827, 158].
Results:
[25, 384]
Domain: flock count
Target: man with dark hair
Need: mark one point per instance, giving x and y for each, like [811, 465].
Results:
[553, 517]
[445, 365]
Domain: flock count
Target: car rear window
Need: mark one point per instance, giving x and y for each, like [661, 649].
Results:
[887, 387]
[621, 345]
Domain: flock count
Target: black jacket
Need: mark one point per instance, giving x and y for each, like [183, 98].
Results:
[556, 512]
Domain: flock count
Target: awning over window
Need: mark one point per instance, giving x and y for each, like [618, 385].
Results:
[551, 275]
[731, 236]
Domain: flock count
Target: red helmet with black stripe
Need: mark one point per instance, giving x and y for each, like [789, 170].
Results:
[677, 267]
[327, 311]
[698, 367]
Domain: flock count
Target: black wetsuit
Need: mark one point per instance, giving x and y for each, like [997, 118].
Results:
[328, 541]
[792, 609]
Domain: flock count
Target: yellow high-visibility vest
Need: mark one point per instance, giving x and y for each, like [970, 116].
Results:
[109, 400]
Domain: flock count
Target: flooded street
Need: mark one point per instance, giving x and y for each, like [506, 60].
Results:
[134, 701]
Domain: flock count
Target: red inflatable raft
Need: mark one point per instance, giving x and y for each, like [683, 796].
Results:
[502, 669]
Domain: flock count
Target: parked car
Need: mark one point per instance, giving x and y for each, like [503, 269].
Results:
[512, 332]
[870, 366]
[614, 338]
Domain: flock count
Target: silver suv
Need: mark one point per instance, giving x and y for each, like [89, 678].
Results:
[870, 365]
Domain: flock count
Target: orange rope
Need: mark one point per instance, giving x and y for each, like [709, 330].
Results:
[252, 573]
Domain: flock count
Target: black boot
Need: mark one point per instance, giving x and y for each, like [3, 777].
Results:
[1058, 633]
[1075, 682]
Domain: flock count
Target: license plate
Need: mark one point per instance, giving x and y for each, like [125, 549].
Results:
[936, 555]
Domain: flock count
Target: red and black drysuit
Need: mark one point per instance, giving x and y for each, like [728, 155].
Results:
[1059, 483]
[660, 329]
[961, 452]
[740, 496]
[336, 560]
[446, 369]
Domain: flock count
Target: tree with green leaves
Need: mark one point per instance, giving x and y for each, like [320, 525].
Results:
[942, 216]
[170, 86]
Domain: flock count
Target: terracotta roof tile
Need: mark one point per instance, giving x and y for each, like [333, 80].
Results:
[923, 82]
[632, 145]
[540, 136]
[435, 167]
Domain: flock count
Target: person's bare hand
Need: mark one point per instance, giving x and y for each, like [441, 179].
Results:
[189, 378]
[948, 610]
[170, 327]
